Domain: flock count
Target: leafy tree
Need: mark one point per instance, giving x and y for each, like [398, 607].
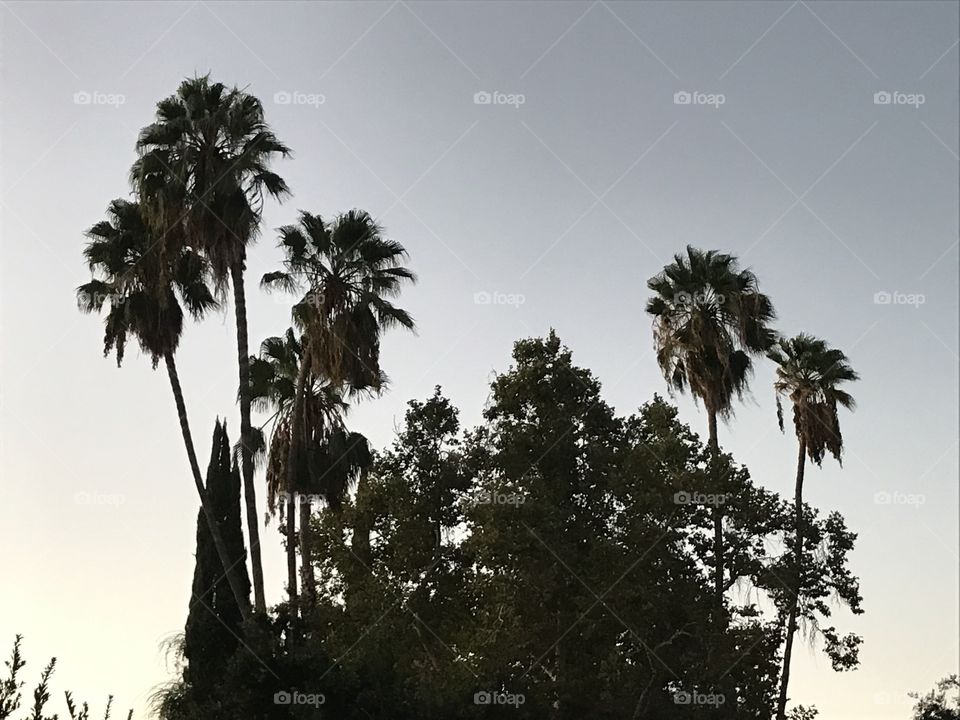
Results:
[668, 470]
[825, 579]
[393, 574]
[810, 374]
[202, 174]
[143, 292]
[941, 703]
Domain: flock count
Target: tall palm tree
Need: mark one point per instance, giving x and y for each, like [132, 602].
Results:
[709, 321]
[273, 377]
[810, 374]
[202, 174]
[348, 272]
[142, 293]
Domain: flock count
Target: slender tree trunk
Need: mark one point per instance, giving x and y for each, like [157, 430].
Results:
[229, 566]
[246, 450]
[292, 550]
[795, 592]
[307, 580]
[720, 619]
[714, 446]
[292, 467]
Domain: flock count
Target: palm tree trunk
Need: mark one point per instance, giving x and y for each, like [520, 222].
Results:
[714, 446]
[795, 592]
[293, 453]
[229, 566]
[246, 454]
[307, 580]
[720, 620]
[292, 550]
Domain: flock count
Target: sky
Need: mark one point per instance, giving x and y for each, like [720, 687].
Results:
[540, 161]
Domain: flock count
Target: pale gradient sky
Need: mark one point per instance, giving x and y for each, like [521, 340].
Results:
[571, 200]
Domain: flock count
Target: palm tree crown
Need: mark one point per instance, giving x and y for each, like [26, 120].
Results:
[204, 168]
[810, 373]
[709, 319]
[349, 273]
[141, 291]
[273, 384]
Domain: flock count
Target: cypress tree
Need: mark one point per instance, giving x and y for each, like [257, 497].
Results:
[214, 619]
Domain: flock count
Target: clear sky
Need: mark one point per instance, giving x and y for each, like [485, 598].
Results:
[559, 204]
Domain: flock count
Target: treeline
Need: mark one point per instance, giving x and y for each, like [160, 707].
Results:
[558, 561]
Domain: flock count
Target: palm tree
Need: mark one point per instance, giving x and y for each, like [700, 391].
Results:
[202, 174]
[349, 273]
[709, 320]
[142, 294]
[810, 374]
[273, 377]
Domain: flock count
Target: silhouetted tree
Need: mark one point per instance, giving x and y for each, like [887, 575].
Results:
[143, 290]
[214, 622]
[202, 174]
[810, 375]
[941, 703]
[710, 319]
[350, 272]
